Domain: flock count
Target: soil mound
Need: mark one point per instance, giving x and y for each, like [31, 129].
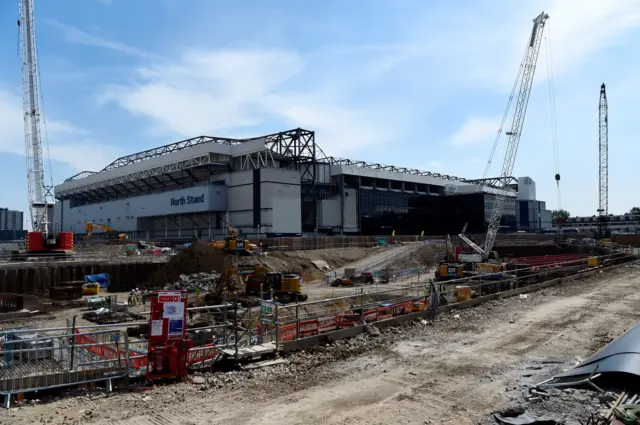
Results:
[197, 258]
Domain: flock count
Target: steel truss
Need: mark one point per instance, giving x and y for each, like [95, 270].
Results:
[374, 166]
[253, 161]
[167, 149]
[297, 150]
[497, 182]
[197, 161]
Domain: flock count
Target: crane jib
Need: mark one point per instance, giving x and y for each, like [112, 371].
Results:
[524, 81]
[39, 194]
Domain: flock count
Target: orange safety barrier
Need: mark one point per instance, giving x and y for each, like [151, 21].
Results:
[195, 357]
[371, 315]
[109, 353]
[384, 313]
[419, 305]
[403, 308]
[397, 309]
[346, 320]
[328, 323]
[308, 328]
[287, 332]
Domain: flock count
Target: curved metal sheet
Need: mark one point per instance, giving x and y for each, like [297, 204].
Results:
[620, 355]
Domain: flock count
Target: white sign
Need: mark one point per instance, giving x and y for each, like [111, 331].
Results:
[173, 310]
[156, 327]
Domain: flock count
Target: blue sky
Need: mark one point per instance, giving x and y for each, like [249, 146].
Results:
[403, 82]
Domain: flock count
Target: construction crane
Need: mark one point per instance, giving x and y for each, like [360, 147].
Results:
[524, 81]
[39, 194]
[603, 206]
[41, 240]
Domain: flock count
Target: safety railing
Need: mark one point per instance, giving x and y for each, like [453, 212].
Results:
[35, 360]
[367, 304]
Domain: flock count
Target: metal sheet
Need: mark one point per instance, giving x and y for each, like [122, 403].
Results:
[620, 355]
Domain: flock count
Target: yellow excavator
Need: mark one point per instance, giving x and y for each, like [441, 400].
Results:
[286, 288]
[110, 233]
[450, 267]
[231, 244]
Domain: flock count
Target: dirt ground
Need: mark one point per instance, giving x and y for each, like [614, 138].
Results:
[455, 369]
[425, 256]
[301, 261]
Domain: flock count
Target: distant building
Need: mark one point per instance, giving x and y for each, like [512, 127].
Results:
[11, 219]
[618, 224]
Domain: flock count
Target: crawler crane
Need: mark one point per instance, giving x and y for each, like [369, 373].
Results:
[524, 81]
[42, 240]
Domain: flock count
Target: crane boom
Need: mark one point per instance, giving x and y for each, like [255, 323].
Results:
[528, 69]
[38, 192]
[603, 207]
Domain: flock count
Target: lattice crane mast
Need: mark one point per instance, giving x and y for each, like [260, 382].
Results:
[603, 123]
[524, 81]
[40, 198]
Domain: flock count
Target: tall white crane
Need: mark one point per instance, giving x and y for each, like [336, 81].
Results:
[40, 198]
[524, 81]
[603, 164]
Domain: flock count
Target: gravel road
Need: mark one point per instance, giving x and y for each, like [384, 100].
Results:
[455, 369]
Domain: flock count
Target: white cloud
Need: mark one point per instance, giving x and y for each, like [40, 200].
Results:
[476, 130]
[67, 143]
[77, 36]
[221, 92]
[484, 43]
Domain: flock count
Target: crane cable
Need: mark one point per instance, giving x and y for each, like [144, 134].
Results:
[552, 112]
[504, 116]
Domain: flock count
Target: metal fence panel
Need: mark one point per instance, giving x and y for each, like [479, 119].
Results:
[33, 360]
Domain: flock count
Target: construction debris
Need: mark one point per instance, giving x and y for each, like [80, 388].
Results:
[191, 282]
[197, 258]
[104, 316]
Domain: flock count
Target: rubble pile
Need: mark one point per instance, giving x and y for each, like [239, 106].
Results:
[197, 258]
[205, 281]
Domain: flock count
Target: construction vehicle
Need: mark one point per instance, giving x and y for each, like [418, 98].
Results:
[285, 288]
[449, 267]
[363, 277]
[42, 241]
[232, 244]
[110, 234]
[523, 84]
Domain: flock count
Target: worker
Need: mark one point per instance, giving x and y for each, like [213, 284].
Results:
[133, 298]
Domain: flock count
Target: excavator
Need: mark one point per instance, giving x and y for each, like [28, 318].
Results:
[286, 288]
[450, 267]
[110, 233]
[231, 244]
